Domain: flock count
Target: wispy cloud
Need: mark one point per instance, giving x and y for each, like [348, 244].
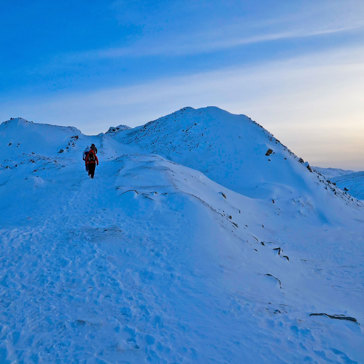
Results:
[200, 44]
[205, 26]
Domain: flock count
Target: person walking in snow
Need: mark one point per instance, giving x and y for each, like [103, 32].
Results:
[93, 147]
[84, 156]
[90, 161]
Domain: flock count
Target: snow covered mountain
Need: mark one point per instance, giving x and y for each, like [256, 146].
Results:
[330, 173]
[201, 239]
[230, 149]
[349, 181]
[239, 154]
[353, 183]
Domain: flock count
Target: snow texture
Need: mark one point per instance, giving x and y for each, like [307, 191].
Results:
[349, 181]
[193, 244]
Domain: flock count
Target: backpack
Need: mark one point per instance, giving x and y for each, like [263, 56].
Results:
[91, 156]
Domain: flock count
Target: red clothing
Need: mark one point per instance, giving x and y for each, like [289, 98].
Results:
[87, 161]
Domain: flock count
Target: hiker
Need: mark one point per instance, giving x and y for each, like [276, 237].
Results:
[93, 147]
[90, 161]
[84, 156]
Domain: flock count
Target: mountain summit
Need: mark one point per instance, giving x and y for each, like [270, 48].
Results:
[237, 153]
[201, 239]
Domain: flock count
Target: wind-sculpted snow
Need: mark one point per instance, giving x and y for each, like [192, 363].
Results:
[153, 261]
[230, 149]
[237, 153]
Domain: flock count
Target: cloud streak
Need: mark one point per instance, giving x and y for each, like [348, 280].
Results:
[202, 44]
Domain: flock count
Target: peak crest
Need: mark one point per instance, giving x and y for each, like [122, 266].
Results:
[17, 120]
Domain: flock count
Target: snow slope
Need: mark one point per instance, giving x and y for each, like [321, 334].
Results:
[350, 181]
[153, 261]
[232, 150]
[353, 182]
[330, 173]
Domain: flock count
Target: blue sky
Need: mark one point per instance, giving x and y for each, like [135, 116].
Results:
[294, 66]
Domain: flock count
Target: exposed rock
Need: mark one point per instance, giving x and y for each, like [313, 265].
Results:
[114, 129]
[336, 317]
[278, 280]
[278, 250]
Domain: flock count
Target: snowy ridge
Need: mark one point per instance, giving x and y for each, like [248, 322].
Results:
[19, 136]
[353, 183]
[155, 261]
[332, 172]
[349, 181]
[236, 152]
[114, 129]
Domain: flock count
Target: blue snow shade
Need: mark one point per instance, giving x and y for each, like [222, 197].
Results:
[167, 255]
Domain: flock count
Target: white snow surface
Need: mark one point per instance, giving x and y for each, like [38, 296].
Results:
[353, 183]
[350, 181]
[330, 173]
[189, 246]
